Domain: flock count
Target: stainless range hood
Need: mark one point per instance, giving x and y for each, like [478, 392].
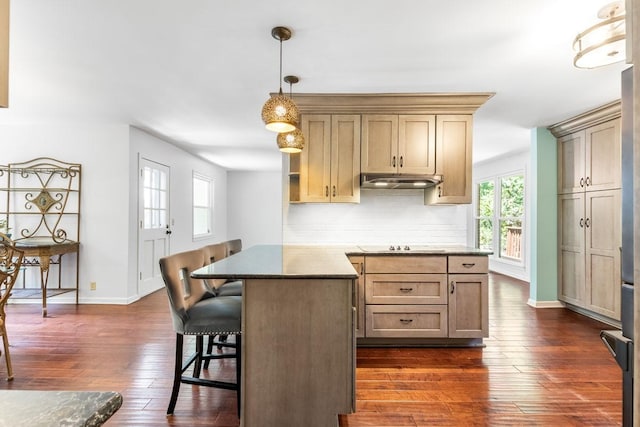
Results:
[390, 181]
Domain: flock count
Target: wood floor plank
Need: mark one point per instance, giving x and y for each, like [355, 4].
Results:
[544, 367]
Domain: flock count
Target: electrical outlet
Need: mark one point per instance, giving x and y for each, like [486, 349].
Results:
[92, 286]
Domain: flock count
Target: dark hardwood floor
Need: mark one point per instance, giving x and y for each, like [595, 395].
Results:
[543, 367]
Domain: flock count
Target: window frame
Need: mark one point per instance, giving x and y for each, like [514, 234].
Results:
[498, 218]
[209, 207]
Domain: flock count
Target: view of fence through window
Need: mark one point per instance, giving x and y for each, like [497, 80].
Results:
[501, 201]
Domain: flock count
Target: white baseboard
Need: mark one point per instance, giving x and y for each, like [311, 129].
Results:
[545, 304]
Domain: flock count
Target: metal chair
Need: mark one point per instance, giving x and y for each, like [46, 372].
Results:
[196, 310]
[10, 262]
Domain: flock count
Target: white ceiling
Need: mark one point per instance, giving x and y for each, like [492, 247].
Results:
[198, 71]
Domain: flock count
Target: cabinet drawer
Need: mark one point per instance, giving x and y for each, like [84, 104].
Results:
[406, 288]
[406, 321]
[468, 264]
[405, 264]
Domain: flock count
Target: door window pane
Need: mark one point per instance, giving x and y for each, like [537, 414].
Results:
[154, 188]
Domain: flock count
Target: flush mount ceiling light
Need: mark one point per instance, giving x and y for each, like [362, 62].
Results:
[280, 113]
[604, 42]
[291, 142]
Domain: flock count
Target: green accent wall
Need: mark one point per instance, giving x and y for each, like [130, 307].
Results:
[544, 217]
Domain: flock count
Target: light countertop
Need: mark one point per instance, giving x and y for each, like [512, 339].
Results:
[36, 408]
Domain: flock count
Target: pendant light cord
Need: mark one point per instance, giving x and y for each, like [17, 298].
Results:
[280, 81]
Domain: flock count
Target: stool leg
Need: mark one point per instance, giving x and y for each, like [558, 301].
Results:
[177, 374]
[209, 350]
[197, 366]
[238, 368]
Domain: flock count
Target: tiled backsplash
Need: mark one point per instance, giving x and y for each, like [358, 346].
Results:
[381, 217]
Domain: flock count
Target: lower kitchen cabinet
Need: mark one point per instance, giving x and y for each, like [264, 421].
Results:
[589, 251]
[468, 306]
[425, 296]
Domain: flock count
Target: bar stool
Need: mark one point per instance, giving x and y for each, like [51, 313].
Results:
[196, 310]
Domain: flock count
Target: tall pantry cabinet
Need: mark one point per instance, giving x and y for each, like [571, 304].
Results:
[589, 210]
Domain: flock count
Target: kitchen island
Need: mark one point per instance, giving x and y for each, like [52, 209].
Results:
[298, 344]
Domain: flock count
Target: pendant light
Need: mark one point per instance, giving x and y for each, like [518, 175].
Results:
[291, 142]
[604, 42]
[280, 113]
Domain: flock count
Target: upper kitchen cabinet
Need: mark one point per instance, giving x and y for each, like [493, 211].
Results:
[396, 134]
[589, 159]
[4, 53]
[453, 161]
[329, 165]
[403, 144]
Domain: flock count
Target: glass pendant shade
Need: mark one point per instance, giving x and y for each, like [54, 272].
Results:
[280, 114]
[291, 142]
[603, 43]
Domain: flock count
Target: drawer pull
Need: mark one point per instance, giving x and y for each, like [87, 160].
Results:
[453, 287]
[406, 290]
[468, 264]
[406, 321]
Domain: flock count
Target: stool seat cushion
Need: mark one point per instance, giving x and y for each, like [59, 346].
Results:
[218, 315]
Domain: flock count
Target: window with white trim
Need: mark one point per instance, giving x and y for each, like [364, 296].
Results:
[499, 216]
[202, 206]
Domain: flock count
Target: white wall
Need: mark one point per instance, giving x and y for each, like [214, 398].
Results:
[103, 152]
[182, 165]
[382, 217]
[512, 163]
[255, 207]
[108, 233]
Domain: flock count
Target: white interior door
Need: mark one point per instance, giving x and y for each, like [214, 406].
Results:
[153, 219]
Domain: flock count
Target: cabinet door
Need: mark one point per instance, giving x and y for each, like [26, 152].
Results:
[468, 306]
[602, 168]
[345, 158]
[417, 144]
[453, 161]
[379, 143]
[358, 265]
[602, 251]
[315, 158]
[571, 221]
[571, 155]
